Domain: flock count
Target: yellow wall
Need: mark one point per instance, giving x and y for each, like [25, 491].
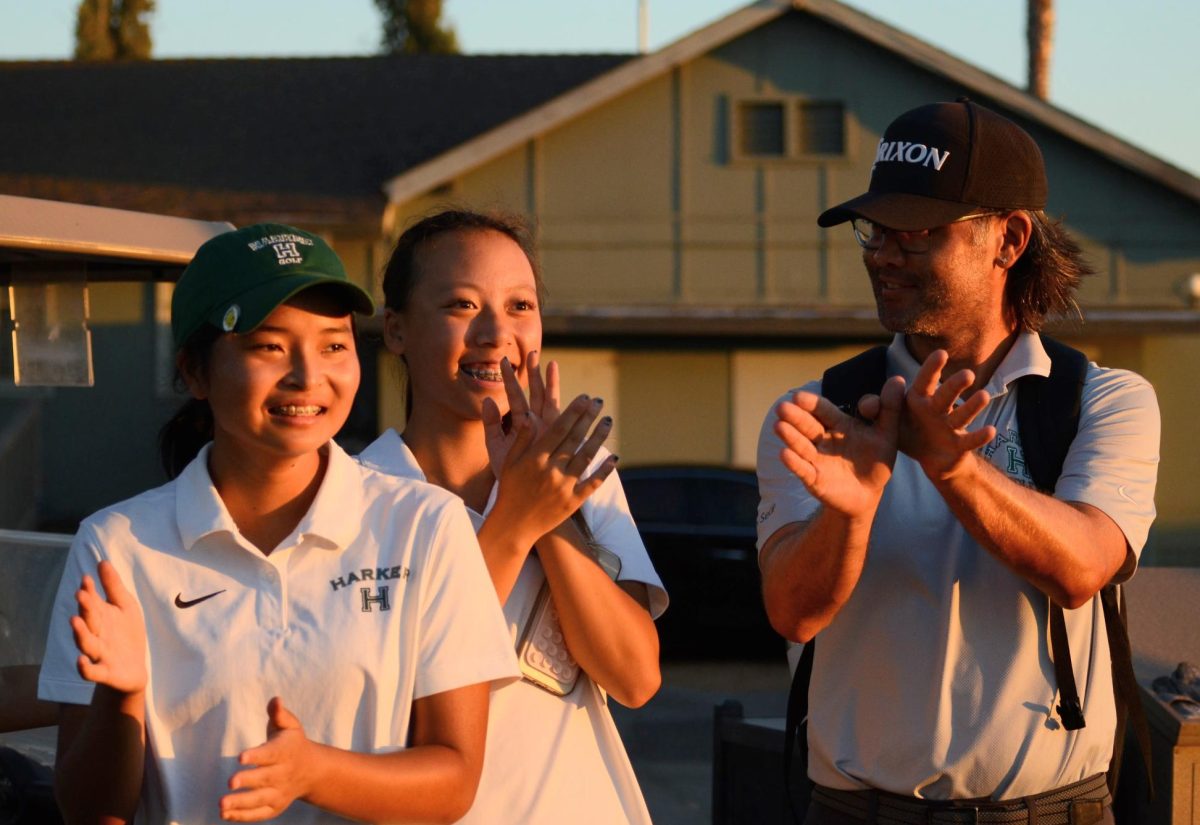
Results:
[760, 377]
[639, 201]
[116, 303]
[674, 407]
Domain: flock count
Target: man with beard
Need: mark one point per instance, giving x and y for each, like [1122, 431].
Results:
[905, 532]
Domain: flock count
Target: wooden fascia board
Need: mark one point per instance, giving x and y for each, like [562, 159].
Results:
[612, 84]
[930, 57]
[667, 321]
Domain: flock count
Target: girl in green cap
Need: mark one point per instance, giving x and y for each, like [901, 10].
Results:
[279, 632]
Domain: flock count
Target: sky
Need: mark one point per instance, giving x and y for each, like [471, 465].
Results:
[1132, 69]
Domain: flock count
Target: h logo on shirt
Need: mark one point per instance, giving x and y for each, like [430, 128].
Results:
[380, 598]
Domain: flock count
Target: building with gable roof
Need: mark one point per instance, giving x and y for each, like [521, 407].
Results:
[675, 195]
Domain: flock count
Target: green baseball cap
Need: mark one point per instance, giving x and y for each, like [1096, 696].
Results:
[238, 278]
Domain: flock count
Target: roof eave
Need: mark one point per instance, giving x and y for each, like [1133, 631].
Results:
[495, 142]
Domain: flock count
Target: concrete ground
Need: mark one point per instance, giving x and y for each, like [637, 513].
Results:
[670, 740]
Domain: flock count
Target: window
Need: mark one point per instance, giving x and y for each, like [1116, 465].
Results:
[788, 129]
[762, 129]
[822, 128]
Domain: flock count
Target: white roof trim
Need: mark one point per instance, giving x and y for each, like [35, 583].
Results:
[77, 229]
[495, 142]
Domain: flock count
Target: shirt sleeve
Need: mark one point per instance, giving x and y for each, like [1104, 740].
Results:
[783, 499]
[1113, 461]
[59, 680]
[464, 639]
[608, 516]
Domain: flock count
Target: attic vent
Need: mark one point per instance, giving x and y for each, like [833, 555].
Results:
[787, 129]
[821, 128]
[762, 127]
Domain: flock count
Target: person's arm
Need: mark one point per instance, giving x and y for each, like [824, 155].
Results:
[433, 780]
[541, 464]
[606, 624]
[101, 747]
[20, 709]
[1068, 550]
[810, 569]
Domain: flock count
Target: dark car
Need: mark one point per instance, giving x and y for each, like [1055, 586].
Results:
[698, 525]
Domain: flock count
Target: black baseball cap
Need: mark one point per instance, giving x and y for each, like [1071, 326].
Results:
[943, 161]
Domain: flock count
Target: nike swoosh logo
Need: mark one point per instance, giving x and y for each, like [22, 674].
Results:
[179, 602]
[1121, 492]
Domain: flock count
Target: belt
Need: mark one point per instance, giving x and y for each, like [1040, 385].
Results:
[1080, 803]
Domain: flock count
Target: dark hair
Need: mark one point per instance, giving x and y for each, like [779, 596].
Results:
[180, 439]
[1043, 281]
[400, 273]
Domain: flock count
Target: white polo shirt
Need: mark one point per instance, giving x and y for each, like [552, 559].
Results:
[552, 759]
[378, 597]
[935, 678]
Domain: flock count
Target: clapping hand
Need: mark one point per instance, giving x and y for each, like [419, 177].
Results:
[542, 460]
[277, 770]
[542, 405]
[934, 430]
[844, 461]
[110, 633]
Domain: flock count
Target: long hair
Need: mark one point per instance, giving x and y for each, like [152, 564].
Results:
[1043, 281]
[191, 427]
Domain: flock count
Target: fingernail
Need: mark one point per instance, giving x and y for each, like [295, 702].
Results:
[505, 360]
[616, 458]
[597, 401]
[606, 419]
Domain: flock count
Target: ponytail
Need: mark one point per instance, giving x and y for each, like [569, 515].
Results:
[180, 439]
[186, 432]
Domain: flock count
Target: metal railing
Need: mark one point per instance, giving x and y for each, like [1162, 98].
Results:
[31, 565]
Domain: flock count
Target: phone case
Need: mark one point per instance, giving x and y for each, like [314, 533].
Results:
[542, 652]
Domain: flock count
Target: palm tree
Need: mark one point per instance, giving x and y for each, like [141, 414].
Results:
[1040, 33]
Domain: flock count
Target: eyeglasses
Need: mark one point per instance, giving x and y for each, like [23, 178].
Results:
[870, 234]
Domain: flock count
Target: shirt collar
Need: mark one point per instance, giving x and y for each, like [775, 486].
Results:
[1026, 357]
[200, 512]
[390, 454]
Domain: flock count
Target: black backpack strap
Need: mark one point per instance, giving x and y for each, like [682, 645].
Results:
[1048, 413]
[1048, 410]
[1048, 418]
[1125, 688]
[864, 374]
[795, 724]
[843, 384]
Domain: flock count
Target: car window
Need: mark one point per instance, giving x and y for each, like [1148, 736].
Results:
[724, 502]
[656, 500]
[692, 498]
